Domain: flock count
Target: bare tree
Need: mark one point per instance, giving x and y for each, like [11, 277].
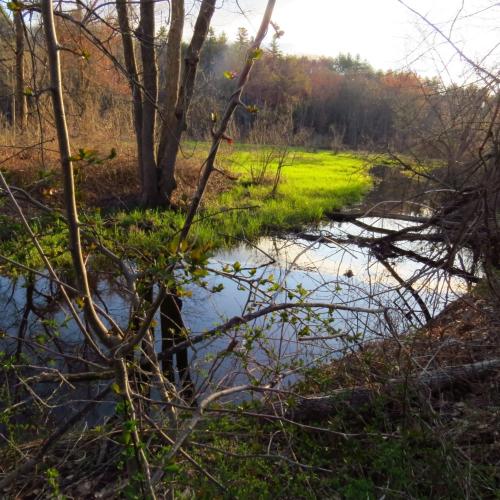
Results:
[157, 167]
[21, 108]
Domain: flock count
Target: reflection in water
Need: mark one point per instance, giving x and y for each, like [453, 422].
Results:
[272, 349]
[274, 270]
[342, 274]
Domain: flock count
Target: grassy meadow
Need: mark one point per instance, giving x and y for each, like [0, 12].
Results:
[312, 185]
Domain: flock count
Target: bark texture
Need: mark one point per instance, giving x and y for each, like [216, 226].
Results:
[177, 107]
[21, 108]
[133, 77]
[150, 193]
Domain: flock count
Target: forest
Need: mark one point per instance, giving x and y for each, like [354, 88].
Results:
[232, 270]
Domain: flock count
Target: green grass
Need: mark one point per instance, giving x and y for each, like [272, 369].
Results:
[378, 457]
[311, 187]
[314, 185]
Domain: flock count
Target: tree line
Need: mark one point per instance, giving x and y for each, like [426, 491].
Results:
[119, 59]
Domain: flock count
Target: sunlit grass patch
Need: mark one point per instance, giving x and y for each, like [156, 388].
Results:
[312, 185]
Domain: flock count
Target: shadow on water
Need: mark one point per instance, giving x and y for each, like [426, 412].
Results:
[394, 190]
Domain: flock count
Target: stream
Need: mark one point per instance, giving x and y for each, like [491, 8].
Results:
[272, 349]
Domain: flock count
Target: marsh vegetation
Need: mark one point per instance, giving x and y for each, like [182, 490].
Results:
[231, 272]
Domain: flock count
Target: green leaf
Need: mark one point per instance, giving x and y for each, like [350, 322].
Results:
[256, 54]
[15, 6]
[115, 388]
[304, 331]
[172, 468]
[127, 436]
[181, 292]
[230, 75]
[41, 339]
[252, 109]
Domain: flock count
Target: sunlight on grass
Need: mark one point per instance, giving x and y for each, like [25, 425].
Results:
[314, 185]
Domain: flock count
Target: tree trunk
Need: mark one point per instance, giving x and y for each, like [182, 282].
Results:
[23, 325]
[75, 246]
[133, 76]
[177, 107]
[360, 399]
[172, 329]
[21, 111]
[170, 104]
[150, 191]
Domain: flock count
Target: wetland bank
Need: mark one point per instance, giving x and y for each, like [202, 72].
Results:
[316, 263]
[229, 271]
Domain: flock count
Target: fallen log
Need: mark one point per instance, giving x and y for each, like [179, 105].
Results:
[362, 399]
[352, 216]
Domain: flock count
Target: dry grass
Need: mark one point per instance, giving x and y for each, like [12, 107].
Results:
[32, 163]
[466, 331]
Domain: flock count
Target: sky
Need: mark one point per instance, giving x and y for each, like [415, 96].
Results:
[384, 32]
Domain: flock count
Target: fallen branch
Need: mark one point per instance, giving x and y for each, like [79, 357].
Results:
[241, 320]
[353, 216]
[56, 376]
[386, 249]
[360, 399]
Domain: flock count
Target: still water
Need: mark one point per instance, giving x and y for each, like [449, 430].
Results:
[340, 273]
